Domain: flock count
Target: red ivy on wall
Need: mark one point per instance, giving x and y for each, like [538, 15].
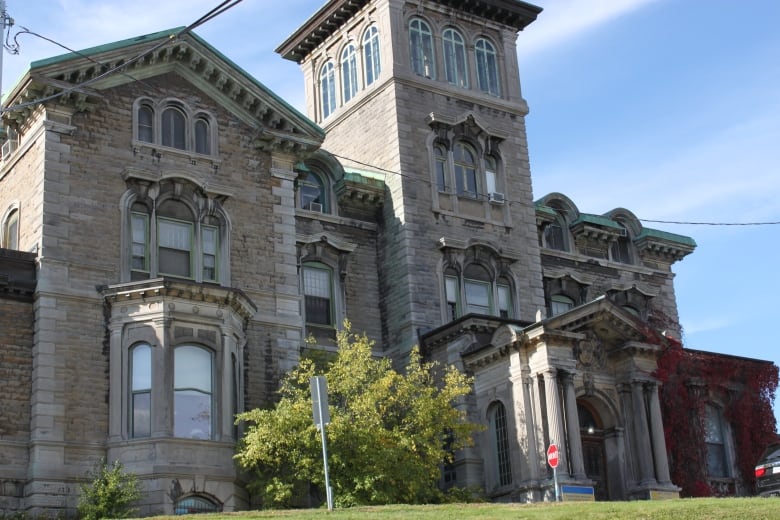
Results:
[745, 388]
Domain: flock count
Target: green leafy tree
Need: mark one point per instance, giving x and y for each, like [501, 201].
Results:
[389, 432]
[109, 494]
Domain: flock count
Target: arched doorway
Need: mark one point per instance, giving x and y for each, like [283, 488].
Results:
[592, 435]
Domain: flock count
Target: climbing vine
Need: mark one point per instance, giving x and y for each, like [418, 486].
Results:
[744, 387]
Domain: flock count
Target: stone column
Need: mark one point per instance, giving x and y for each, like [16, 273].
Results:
[632, 473]
[555, 419]
[573, 426]
[657, 435]
[530, 428]
[642, 435]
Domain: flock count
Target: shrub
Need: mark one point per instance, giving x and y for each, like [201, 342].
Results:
[109, 494]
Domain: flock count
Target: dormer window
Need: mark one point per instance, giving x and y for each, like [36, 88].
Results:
[173, 124]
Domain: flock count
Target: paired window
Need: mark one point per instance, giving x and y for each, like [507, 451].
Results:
[10, 236]
[174, 125]
[193, 391]
[348, 76]
[499, 437]
[477, 294]
[318, 294]
[455, 57]
[715, 440]
[171, 241]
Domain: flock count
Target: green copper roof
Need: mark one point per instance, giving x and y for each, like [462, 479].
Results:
[665, 235]
[597, 220]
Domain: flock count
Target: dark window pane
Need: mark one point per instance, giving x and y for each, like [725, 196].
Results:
[142, 414]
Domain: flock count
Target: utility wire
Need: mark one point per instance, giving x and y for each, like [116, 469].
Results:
[221, 8]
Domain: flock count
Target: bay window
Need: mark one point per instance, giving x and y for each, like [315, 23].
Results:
[192, 382]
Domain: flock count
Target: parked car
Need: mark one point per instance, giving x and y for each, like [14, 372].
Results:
[768, 472]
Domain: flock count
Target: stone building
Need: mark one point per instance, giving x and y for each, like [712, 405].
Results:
[180, 229]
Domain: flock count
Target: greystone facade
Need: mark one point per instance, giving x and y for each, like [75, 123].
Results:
[100, 194]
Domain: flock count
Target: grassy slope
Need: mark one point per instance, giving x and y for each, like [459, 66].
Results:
[685, 509]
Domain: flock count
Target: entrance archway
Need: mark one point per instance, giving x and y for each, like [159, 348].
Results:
[593, 453]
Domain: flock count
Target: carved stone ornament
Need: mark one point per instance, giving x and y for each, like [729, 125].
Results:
[590, 352]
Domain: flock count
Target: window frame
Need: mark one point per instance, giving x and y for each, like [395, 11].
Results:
[455, 293]
[308, 299]
[141, 391]
[10, 236]
[180, 390]
[327, 82]
[486, 60]
[713, 417]
[196, 132]
[498, 429]
[465, 171]
[456, 66]
[421, 49]
[349, 73]
[558, 302]
[372, 64]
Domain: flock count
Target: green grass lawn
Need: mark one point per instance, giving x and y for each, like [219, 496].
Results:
[682, 509]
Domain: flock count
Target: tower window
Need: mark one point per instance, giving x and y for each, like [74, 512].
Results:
[349, 80]
[328, 89]
[487, 67]
[421, 49]
[455, 68]
[371, 58]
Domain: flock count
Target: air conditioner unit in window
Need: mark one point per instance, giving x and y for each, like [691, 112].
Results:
[315, 206]
[496, 197]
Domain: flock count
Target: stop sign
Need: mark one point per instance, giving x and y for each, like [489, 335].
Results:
[552, 456]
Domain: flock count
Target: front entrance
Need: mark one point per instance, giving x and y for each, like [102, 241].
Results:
[592, 435]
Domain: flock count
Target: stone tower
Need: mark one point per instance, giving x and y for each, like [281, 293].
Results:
[428, 93]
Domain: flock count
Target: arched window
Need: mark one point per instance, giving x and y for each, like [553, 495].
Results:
[318, 294]
[476, 291]
[349, 79]
[620, 251]
[560, 303]
[10, 238]
[421, 49]
[499, 437]
[465, 164]
[715, 439]
[487, 67]
[371, 54]
[146, 123]
[554, 236]
[313, 193]
[328, 89]
[455, 68]
[440, 165]
[175, 239]
[192, 392]
[194, 505]
[141, 390]
[174, 128]
[202, 136]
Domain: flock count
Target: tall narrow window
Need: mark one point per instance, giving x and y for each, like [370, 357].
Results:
[174, 128]
[146, 124]
[349, 79]
[451, 290]
[141, 390]
[440, 163]
[371, 54]
[477, 287]
[421, 49]
[487, 67]
[317, 295]
[209, 238]
[328, 89]
[11, 230]
[465, 170]
[312, 193]
[621, 248]
[490, 174]
[553, 236]
[202, 136]
[504, 300]
[175, 246]
[715, 441]
[139, 260]
[500, 442]
[455, 58]
[192, 389]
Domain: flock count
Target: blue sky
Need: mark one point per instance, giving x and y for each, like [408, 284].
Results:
[669, 108]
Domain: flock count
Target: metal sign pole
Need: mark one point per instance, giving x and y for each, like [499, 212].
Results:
[557, 489]
[319, 394]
